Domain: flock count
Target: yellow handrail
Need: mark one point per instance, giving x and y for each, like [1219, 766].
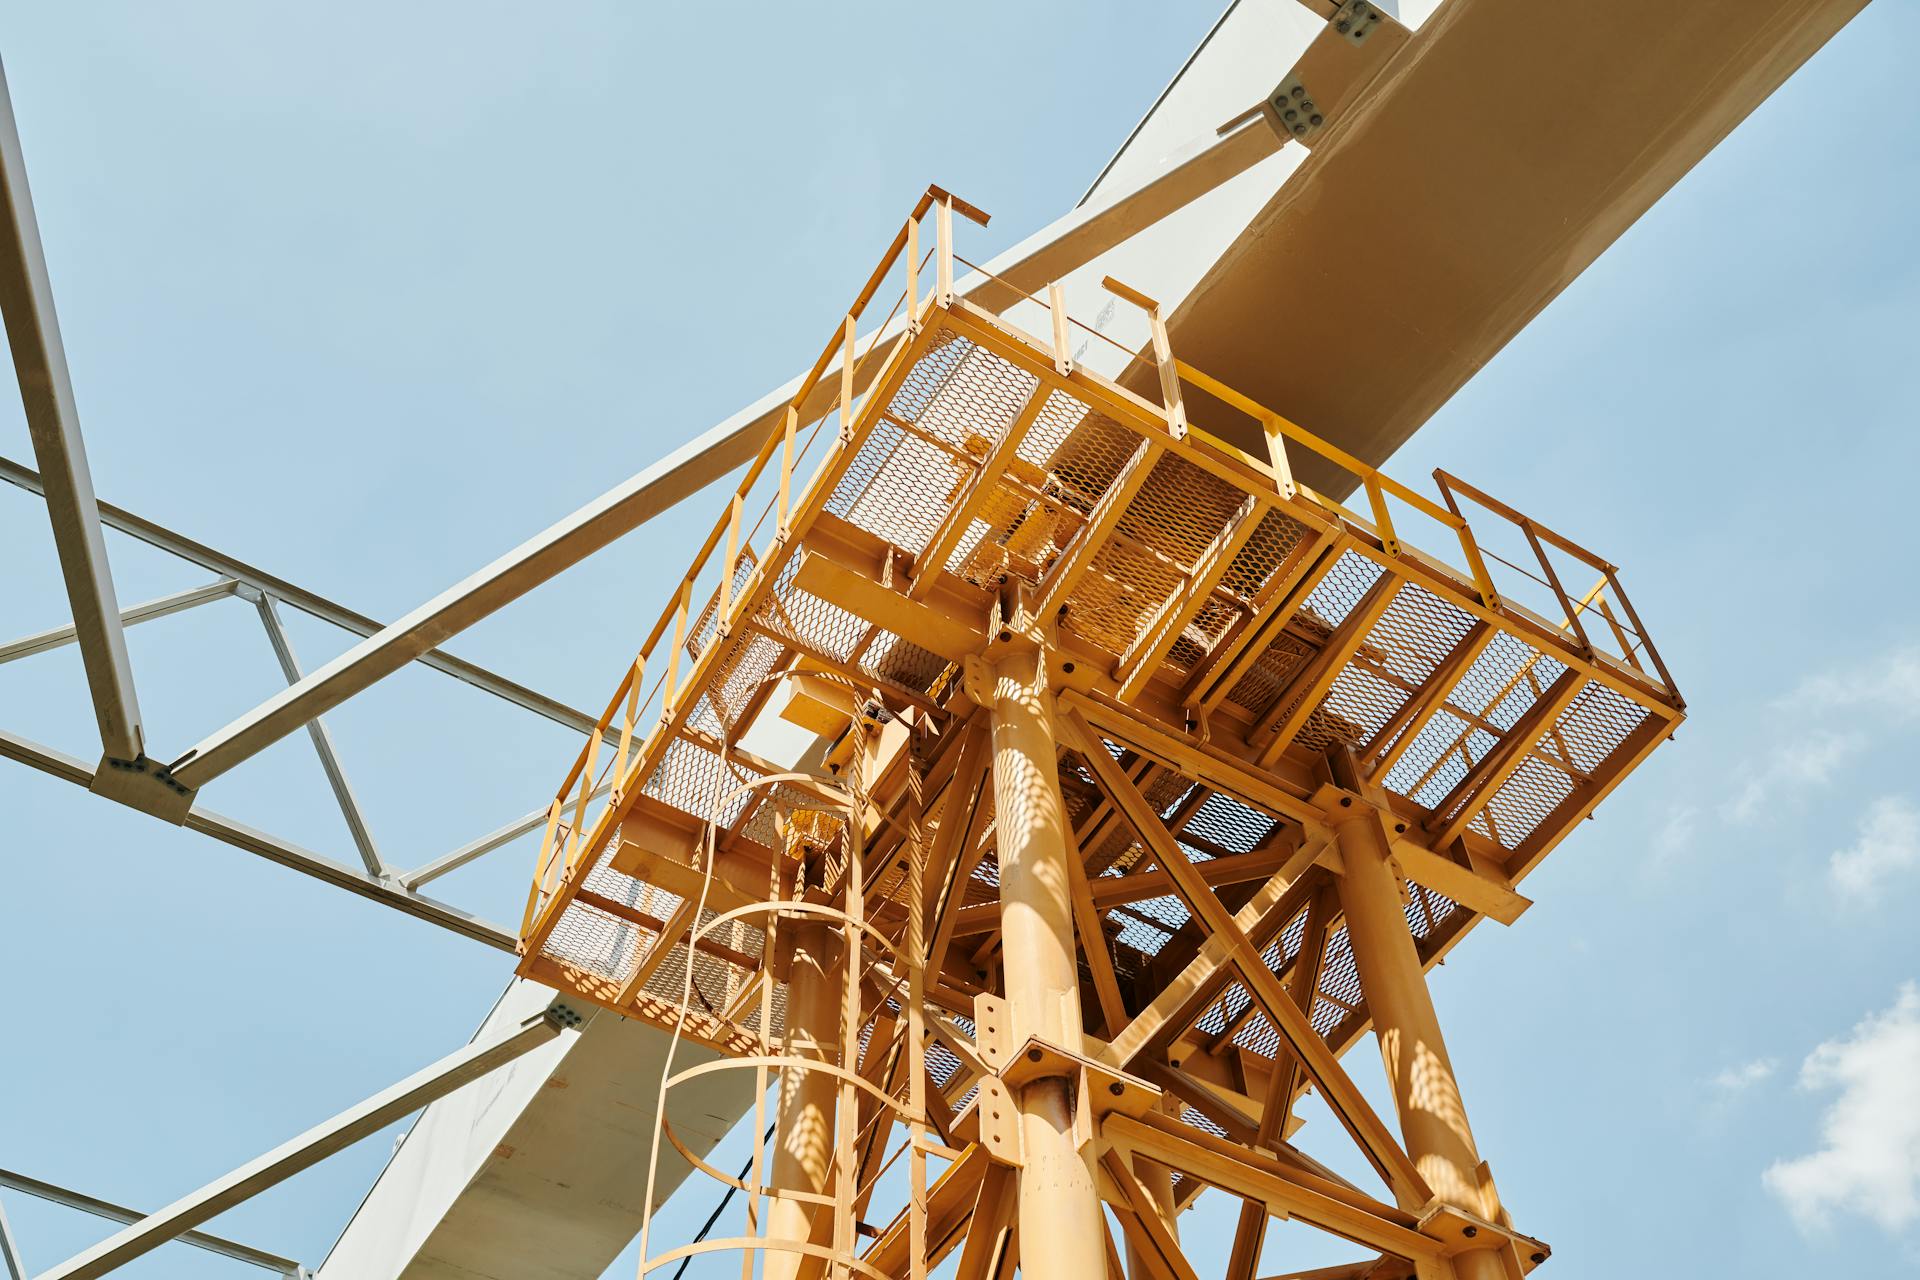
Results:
[678, 611]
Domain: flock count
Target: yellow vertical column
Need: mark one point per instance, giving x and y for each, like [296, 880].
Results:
[803, 1150]
[1062, 1236]
[1433, 1120]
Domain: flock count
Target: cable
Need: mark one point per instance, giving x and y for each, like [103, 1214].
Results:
[721, 1208]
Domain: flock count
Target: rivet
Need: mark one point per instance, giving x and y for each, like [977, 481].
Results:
[1315, 121]
[1469, 1232]
[1006, 635]
[1116, 1088]
[1398, 827]
[1346, 802]
[1067, 667]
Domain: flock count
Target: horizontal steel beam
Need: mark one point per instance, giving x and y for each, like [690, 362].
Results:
[99, 1208]
[241, 836]
[316, 1144]
[486, 844]
[46, 393]
[159, 607]
[1062, 248]
[308, 602]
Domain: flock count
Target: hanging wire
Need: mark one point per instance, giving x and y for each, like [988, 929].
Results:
[706, 1227]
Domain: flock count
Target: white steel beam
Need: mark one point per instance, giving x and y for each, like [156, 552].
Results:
[40, 362]
[10, 1250]
[541, 1170]
[376, 1113]
[1067, 244]
[68, 1198]
[273, 849]
[147, 611]
[308, 602]
[486, 844]
[323, 743]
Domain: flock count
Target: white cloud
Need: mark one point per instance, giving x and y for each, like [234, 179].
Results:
[1889, 684]
[1738, 1079]
[1888, 842]
[1807, 762]
[1675, 836]
[1869, 1161]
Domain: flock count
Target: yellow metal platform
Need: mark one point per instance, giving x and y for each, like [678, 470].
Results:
[1231, 657]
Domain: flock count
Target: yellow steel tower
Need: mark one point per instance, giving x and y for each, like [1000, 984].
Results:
[1146, 781]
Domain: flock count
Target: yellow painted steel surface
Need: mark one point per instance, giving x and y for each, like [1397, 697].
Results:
[1245, 652]
[1101, 487]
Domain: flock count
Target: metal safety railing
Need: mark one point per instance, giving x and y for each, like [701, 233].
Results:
[752, 555]
[568, 822]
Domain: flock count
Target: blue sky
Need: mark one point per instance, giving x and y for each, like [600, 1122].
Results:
[365, 295]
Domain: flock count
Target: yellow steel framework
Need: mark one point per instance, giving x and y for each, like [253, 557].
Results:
[1149, 780]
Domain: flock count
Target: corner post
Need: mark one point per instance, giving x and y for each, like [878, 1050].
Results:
[1426, 1094]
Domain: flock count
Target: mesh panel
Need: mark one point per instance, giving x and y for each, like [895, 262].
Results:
[1032, 509]
[590, 939]
[1225, 823]
[1237, 1000]
[1493, 694]
[1270, 672]
[923, 455]
[1589, 731]
[1178, 511]
[1335, 596]
[1339, 988]
[1404, 648]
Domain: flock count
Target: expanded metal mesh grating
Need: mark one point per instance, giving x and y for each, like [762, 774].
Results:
[1404, 648]
[1233, 1006]
[1155, 546]
[918, 480]
[1223, 823]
